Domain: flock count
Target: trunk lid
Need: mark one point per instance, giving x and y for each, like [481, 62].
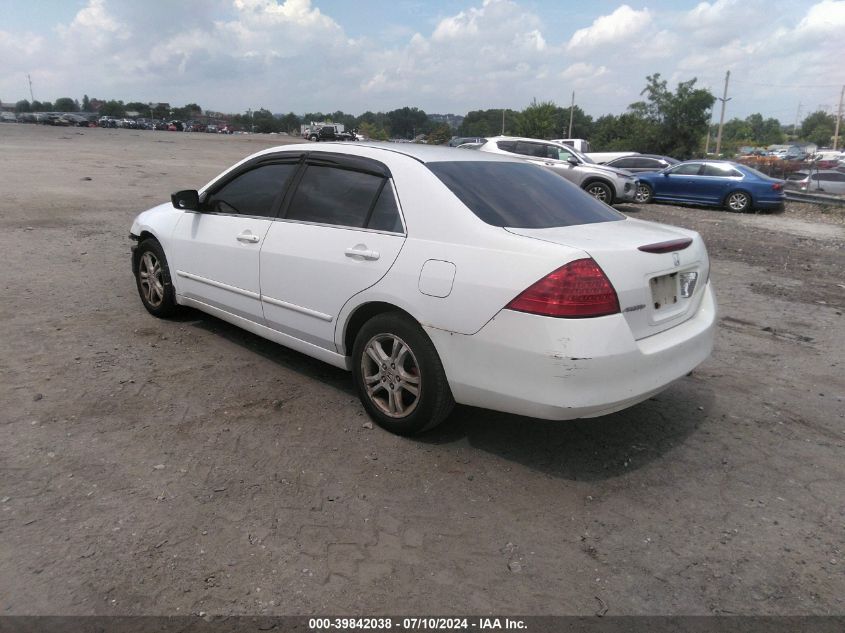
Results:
[653, 287]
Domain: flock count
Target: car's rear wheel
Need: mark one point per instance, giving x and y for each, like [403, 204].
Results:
[644, 193]
[152, 276]
[738, 201]
[600, 191]
[398, 374]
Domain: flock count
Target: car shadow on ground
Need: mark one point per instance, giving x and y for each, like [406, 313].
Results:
[279, 354]
[586, 450]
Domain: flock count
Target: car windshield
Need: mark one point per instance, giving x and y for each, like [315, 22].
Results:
[520, 195]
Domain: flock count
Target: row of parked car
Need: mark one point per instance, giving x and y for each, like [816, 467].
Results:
[89, 120]
[644, 178]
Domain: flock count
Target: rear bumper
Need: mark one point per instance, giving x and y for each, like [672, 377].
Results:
[561, 369]
[769, 203]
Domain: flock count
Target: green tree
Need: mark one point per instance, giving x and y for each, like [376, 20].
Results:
[818, 128]
[407, 122]
[141, 108]
[86, 103]
[372, 131]
[582, 123]
[113, 108]
[161, 110]
[66, 104]
[672, 123]
[289, 123]
[489, 123]
[440, 134]
[538, 120]
[23, 106]
[190, 111]
[42, 106]
[265, 122]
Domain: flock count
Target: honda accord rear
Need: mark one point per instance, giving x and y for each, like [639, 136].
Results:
[626, 308]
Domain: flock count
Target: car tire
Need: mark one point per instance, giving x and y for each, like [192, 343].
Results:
[313, 137]
[738, 201]
[399, 376]
[644, 194]
[152, 277]
[600, 191]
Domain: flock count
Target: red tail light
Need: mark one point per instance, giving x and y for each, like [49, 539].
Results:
[577, 290]
[777, 186]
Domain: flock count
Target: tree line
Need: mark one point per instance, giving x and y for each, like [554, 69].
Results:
[669, 122]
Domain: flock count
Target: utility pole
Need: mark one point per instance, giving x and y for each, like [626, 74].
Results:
[724, 99]
[838, 119]
[29, 79]
[709, 129]
[503, 121]
[795, 125]
[571, 112]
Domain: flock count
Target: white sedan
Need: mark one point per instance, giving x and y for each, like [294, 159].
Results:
[436, 276]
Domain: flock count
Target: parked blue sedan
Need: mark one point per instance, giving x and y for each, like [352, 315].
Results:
[715, 183]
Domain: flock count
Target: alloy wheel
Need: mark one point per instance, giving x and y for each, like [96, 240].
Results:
[391, 375]
[737, 201]
[150, 277]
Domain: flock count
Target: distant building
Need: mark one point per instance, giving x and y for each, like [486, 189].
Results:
[7, 107]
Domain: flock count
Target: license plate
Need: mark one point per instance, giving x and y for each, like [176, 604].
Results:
[664, 291]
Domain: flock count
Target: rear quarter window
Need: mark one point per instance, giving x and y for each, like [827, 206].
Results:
[520, 195]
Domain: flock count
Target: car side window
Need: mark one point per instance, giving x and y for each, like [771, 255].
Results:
[651, 163]
[385, 213]
[830, 177]
[557, 153]
[507, 146]
[687, 169]
[719, 170]
[254, 192]
[624, 163]
[536, 150]
[330, 195]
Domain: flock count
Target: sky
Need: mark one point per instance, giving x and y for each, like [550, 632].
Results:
[444, 57]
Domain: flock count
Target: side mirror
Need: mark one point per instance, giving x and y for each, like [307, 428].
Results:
[573, 161]
[187, 200]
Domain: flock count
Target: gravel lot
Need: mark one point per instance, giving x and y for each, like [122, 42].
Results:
[163, 467]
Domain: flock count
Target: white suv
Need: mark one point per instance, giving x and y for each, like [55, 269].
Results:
[607, 184]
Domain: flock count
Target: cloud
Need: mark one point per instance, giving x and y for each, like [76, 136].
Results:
[623, 25]
[296, 55]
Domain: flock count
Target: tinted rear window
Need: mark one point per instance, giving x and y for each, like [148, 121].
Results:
[520, 195]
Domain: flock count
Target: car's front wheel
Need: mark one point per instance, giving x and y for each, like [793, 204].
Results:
[738, 201]
[152, 276]
[399, 376]
[600, 191]
[644, 193]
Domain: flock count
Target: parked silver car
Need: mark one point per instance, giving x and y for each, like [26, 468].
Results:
[822, 181]
[604, 183]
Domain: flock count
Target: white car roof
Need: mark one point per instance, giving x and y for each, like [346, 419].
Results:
[419, 152]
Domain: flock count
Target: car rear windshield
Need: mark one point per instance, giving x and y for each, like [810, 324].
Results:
[520, 195]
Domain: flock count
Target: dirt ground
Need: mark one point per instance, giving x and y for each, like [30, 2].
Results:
[174, 467]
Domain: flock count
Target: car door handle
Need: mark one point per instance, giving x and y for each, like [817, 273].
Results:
[248, 237]
[363, 252]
